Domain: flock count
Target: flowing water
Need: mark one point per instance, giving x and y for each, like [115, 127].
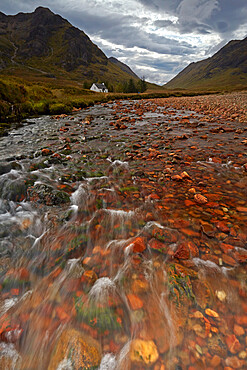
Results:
[104, 263]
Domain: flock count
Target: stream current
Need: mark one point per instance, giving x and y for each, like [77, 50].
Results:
[102, 266]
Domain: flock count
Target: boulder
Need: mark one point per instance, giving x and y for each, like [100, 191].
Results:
[76, 348]
[143, 351]
[47, 194]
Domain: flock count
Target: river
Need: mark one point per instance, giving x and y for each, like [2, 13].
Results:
[123, 238]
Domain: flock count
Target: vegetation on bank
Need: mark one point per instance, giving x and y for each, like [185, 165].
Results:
[21, 98]
[130, 86]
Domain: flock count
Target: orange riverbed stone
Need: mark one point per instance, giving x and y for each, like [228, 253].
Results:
[143, 351]
[138, 245]
[134, 301]
[83, 351]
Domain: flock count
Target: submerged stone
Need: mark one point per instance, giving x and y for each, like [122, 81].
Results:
[143, 351]
[48, 195]
[80, 350]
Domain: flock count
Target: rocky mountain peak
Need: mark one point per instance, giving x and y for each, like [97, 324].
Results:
[44, 41]
[41, 9]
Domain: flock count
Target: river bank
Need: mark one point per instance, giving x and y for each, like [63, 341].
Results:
[123, 236]
[21, 99]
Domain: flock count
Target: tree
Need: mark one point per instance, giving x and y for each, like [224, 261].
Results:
[86, 85]
[125, 87]
[131, 86]
[109, 86]
[119, 88]
[142, 85]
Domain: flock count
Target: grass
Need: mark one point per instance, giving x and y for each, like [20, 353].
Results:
[34, 95]
[224, 71]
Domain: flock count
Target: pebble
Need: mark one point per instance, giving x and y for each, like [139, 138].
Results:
[144, 352]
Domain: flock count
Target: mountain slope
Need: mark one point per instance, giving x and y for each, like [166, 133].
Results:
[46, 44]
[225, 69]
[124, 67]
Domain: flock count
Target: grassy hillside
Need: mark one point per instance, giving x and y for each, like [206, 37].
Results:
[45, 44]
[20, 98]
[226, 70]
[25, 97]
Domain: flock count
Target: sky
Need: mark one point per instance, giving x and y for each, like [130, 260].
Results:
[155, 38]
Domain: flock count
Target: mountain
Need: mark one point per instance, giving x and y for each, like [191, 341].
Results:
[123, 67]
[225, 69]
[45, 44]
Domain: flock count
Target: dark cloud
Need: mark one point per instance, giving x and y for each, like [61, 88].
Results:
[162, 65]
[120, 30]
[192, 27]
[202, 16]
[165, 23]
[231, 16]
[17, 6]
[135, 37]
[169, 6]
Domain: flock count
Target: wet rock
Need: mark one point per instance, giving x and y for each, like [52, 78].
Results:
[215, 361]
[186, 250]
[134, 301]
[39, 165]
[200, 199]
[170, 338]
[45, 152]
[7, 167]
[140, 286]
[100, 317]
[241, 320]
[222, 227]
[233, 344]
[77, 348]
[229, 260]
[217, 346]
[181, 296]
[202, 292]
[13, 189]
[176, 178]
[234, 362]
[221, 295]
[183, 252]
[156, 245]
[238, 330]
[192, 190]
[47, 194]
[242, 355]
[138, 245]
[242, 209]
[144, 352]
[226, 247]
[90, 276]
[242, 185]
[185, 175]
[189, 203]
[211, 313]
[163, 234]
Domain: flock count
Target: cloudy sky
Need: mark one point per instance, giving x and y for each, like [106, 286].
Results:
[156, 38]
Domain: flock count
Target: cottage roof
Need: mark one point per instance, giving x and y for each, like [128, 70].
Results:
[100, 86]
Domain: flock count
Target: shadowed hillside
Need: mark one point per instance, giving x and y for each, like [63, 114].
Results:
[43, 44]
[227, 69]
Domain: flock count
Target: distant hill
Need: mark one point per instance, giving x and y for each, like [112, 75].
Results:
[225, 69]
[45, 44]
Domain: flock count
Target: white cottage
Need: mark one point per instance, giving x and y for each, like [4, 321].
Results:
[99, 87]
